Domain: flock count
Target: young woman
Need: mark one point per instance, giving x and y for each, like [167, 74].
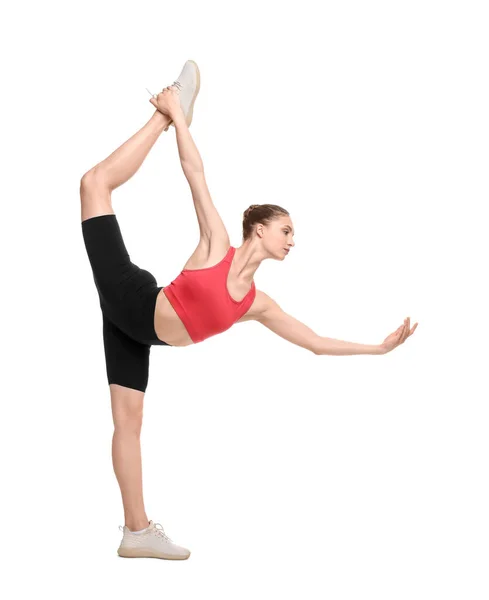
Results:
[214, 290]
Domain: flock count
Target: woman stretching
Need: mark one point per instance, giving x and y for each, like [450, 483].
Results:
[214, 290]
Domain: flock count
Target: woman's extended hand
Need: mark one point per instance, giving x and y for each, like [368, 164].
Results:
[167, 101]
[398, 337]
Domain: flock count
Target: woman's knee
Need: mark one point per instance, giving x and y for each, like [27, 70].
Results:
[127, 408]
[96, 176]
[95, 194]
[92, 178]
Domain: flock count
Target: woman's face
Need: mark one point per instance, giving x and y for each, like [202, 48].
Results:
[279, 237]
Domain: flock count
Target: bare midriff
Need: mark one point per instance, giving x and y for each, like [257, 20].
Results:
[168, 325]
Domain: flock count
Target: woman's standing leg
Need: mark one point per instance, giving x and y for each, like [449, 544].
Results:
[127, 413]
[127, 364]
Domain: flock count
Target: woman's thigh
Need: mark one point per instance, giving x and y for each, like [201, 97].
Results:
[108, 256]
[127, 361]
[127, 293]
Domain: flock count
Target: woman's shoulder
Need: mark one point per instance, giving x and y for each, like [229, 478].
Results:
[260, 304]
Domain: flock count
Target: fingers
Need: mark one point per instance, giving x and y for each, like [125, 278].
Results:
[413, 329]
[406, 329]
[402, 332]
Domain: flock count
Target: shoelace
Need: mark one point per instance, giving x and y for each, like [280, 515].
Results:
[157, 530]
[176, 83]
[162, 533]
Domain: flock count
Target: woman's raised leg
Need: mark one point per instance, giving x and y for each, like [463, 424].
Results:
[97, 184]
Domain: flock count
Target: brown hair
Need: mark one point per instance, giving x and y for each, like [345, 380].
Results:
[260, 213]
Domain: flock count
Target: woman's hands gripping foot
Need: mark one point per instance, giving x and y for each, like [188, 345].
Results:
[168, 102]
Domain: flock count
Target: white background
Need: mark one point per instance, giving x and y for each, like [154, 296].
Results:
[287, 475]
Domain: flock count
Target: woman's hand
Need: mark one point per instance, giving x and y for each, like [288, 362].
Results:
[168, 102]
[398, 337]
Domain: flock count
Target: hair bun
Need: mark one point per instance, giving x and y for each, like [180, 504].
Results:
[249, 209]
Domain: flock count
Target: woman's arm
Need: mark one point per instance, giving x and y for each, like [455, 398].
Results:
[211, 225]
[292, 330]
[168, 103]
[340, 348]
[187, 150]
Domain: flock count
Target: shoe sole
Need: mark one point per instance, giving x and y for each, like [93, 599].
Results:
[137, 553]
[191, 108]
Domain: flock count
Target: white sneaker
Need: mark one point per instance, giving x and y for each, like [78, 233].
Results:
[188, 86]
[152, 543]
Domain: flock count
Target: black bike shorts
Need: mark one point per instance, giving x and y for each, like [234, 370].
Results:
[127, 298]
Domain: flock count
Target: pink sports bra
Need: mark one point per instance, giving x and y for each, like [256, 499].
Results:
[201, 299]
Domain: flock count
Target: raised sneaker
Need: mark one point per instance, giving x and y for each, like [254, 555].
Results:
[187, 86]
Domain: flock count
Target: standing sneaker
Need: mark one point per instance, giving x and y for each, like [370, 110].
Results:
[150, 543]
